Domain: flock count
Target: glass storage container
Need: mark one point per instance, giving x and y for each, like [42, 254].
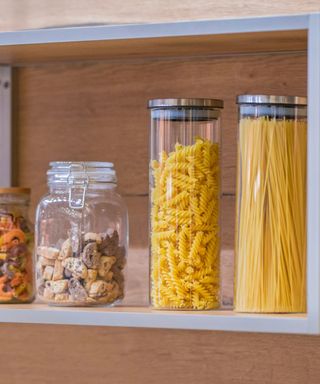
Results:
[16, 247]
[81, 236]
[184, 201]
[271, 204]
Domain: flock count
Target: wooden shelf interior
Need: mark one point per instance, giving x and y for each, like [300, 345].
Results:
[97, 111]
[19, 53]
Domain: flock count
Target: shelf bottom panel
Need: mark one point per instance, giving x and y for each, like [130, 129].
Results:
[144, 317]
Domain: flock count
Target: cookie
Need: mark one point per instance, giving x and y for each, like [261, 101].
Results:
[47, 273]
[58, 270]
[76, 266]
[48, 294]
[59, 286]
[48, 252]
[44, 261]
[91, 256]
[66, 250]
[77, 291]
[106, 262]
[92, 237]
[109, 244]
[100, 288]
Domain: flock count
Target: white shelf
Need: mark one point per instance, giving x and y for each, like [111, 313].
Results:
[154, 30]
[132, 41]
[142, 317]
[214, 37]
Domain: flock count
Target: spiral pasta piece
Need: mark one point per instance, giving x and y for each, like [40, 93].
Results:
[185, 242]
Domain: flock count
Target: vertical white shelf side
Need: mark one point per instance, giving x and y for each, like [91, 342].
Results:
[5, 126]
[313, 181]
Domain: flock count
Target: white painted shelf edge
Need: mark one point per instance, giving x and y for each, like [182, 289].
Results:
[144, 317]
[140, 31]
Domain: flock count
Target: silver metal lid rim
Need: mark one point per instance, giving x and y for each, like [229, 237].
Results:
[186, 103]
[272, 100]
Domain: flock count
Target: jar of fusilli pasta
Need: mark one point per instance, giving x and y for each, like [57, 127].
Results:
[184, 203]
[271, 204]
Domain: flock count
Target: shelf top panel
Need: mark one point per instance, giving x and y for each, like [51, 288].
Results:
[143, 317]
[134, 41]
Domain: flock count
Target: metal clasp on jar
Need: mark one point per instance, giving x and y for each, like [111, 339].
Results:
[78, 181]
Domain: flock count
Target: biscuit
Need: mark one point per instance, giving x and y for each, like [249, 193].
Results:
[100, 288]
[48, 252]
[59, 286]
[91, 256]
[76, 266]
[106, 262]
[66, 250]
[47, 273]
[92, 237]
[58, 270]
[77, 291]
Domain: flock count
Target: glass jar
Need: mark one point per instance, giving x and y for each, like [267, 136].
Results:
[271, 204]
[184, 201]
[16, 247]
[81, 236]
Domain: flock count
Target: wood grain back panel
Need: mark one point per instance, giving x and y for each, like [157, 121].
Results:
[98, 111]
[43, 354]
[26, 14]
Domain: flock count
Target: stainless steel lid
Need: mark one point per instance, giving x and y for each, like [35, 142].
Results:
[186, 103]
[272, 100]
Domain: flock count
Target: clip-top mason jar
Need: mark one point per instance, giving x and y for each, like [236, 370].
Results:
[184, 200]
[81, 236]
[16, 246]
[271, 204]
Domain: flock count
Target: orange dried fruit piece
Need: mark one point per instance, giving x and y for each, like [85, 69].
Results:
[13, 237]
[17, 280]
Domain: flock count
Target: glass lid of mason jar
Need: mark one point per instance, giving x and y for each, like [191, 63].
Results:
[185, 103]
[272, 100]
[92, 171]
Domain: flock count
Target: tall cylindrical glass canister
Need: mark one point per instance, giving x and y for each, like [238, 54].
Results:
[184, 203]
[271, 204]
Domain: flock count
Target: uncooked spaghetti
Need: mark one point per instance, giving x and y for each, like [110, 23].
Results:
[271, 216]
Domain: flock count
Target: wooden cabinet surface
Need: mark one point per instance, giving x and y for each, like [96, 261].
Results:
[26, 14]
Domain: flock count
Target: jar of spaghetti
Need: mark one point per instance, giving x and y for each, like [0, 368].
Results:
[271, 204]
[16, 247]
[81, 236]
[184, 201]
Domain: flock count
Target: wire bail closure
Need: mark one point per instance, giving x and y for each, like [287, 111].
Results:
[78, 182]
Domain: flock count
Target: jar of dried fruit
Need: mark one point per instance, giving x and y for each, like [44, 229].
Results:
[81, 236]
[16, 247]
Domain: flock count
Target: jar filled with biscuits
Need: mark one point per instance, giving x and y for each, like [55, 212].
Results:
[81, 236]
[16, 247]
[185, 203]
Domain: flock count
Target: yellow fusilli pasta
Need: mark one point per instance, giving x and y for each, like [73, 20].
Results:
[185, 242]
